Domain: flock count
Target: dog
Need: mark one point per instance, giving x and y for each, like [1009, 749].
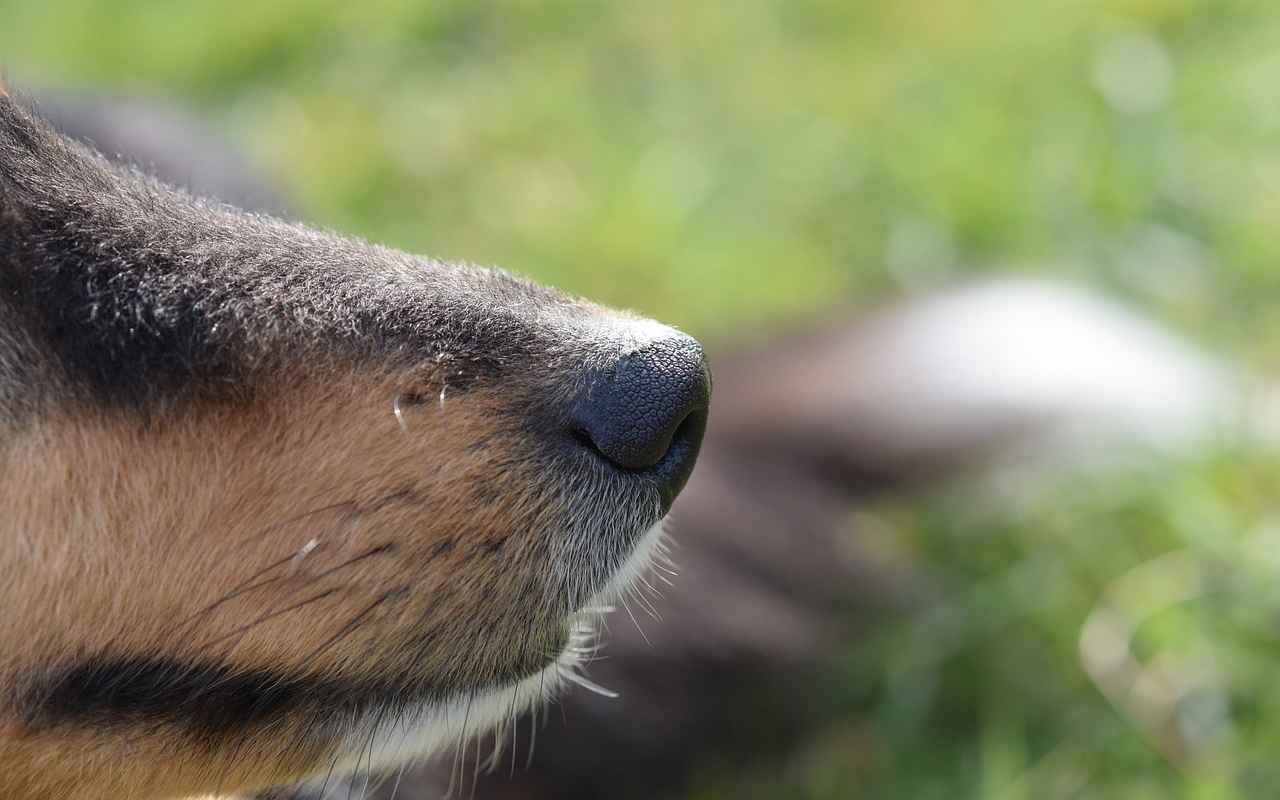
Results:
[282, 505]
[809, 426]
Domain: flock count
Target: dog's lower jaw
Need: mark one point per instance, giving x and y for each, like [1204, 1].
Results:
[391, 736]
[388, 737]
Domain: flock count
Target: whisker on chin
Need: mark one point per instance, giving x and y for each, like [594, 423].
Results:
[533, 722]
[355, 622]
[588, 684]
[191, 623]
[249, 584]
[635, 621]
[270, 615]
[461, 752]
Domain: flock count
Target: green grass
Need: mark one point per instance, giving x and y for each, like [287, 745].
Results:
[979, 689]
[723, 166]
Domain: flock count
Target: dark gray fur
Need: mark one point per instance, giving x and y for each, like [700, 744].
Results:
[141, 296]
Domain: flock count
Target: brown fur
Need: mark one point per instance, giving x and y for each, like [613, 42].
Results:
[269, 507]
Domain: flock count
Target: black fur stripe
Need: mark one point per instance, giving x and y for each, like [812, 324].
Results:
[212, 700]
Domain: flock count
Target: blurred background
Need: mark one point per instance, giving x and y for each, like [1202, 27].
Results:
[750, 168]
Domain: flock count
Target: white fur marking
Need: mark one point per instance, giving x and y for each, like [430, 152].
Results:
[386, 739]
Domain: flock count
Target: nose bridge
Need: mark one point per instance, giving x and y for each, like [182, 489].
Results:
[634, 334]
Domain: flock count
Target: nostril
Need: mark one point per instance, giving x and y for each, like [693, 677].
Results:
[690, 427]
[583, 437]
[652, 399]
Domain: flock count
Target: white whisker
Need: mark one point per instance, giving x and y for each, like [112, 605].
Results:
[589, 685]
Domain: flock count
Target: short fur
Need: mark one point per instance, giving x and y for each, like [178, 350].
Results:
[271, 492]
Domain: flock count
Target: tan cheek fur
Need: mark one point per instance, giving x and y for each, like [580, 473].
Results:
[119, 539]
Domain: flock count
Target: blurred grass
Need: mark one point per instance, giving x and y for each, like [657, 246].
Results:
[981, 690]
[723, 166]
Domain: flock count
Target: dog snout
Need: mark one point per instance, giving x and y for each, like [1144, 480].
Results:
[648, 410]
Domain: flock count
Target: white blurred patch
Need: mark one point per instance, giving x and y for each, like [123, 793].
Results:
[1134, 73]
[1058, 371]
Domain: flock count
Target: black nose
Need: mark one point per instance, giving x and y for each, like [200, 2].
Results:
[649, 409]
